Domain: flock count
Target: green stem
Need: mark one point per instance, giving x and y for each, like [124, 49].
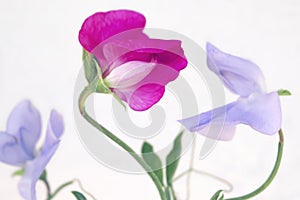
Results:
[272, 175]
[170, 193]
[63, 186]
[84, 190]
[222, 180]
[182, 175]
[83, 97]
[188, 172]
[188, 179]
[45, 181]
[60, 188]
[173, 193]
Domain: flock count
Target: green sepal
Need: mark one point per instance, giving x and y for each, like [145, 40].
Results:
[102, 87]
[93, 75]
[173, 158]
[283, 92]
[91, 66]
[78, 195]
[217, 196]
[153, 160]
[43, 175]
[19, 172]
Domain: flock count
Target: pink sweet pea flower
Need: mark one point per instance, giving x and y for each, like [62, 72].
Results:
[133, 66]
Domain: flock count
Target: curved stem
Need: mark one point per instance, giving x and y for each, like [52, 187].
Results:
[200, 172]
[60, 188]
[188, 179]
[45, 181]
[272, 175]
[182, 175]
[173, 193]
[84, 190]
[83, 96]
[221, 180]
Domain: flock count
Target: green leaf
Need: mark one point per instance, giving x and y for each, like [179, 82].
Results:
[18, 173]
[283, 92]
[222, 197]
[78, 195]
[153, 160]
[173, 158]
[91, 66]
[216, 195]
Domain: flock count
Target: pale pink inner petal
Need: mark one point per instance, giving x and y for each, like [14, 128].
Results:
[129, 74]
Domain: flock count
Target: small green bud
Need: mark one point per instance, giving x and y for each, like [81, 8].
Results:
[283, 92]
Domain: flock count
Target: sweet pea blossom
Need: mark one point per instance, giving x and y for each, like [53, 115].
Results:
[18, 144]
[255, 106]
[133, 66]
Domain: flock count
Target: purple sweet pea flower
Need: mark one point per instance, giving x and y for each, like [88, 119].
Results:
[133, 66]
[18, 144]
[255, 107]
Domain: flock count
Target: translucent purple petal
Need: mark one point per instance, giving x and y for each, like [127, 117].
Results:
[261, 112]
[213, 124]
[35, 168]
[239, 75]
[11, 152]
[24, 123]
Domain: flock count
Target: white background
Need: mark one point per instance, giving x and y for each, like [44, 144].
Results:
[40, 58]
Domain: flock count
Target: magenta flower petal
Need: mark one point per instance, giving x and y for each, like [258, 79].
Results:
[167, 52]
[239, 75]
[102, 25]
[142, 98]
[35, 168]
[167, 56]
[261, 112]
